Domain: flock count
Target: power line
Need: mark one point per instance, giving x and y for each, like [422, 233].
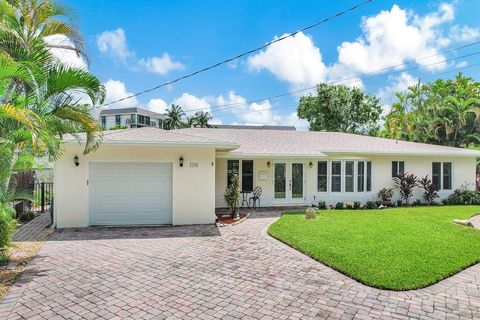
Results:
[336, 81]
[296, 105]
[242, 54]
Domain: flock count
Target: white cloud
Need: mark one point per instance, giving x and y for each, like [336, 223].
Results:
[400, 83]
[161, 65]
[117, 90]
[295, 60]
[66, 56]
[463, 33]
[461, 64]
[157, 105]
[114, 44]
[389, 38]
[231, 101]
[189, 102]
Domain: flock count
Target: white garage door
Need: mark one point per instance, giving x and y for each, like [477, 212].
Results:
[130, 193]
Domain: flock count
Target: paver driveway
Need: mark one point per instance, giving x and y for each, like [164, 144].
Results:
[203, 272]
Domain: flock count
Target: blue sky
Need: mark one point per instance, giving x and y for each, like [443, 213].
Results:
[132, 47]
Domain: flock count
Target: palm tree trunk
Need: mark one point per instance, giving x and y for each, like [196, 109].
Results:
[9, 167]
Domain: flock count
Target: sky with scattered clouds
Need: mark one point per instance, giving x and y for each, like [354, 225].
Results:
[383, 47]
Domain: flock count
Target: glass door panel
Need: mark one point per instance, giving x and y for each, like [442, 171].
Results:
[297, 180]
[280, 181]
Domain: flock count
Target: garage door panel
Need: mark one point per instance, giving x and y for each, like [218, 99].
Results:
[130, 193]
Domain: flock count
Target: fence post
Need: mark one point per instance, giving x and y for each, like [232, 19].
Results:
[42, 195]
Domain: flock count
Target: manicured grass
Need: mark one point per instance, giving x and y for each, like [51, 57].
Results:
[399, 249]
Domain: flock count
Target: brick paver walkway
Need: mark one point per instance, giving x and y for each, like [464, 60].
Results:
[34, 230]
[204, 272]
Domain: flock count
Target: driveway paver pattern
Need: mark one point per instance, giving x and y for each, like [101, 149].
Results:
[205, 272]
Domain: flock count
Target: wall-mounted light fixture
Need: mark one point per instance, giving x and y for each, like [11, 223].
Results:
[76, 161]
[268, 164]
[310, 164]
[180, 161]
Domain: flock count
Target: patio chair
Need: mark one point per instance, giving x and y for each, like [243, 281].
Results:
[257, 192]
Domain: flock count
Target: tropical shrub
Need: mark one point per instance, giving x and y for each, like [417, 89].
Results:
[406, 183]
[399, 203]
[7, 224]
[357, 205]
[385, 194]
[371, 205]
[339, 206]
[26, 216]
[232, 195]
[430, 192]
[322, 205]
[417, 203]
[467, 196]
[349, 204]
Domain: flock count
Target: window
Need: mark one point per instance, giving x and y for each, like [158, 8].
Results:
[160, 124]
[117, 120]
[232, 168]
[447, 176]
[336, 176]
[436, 174]
[369, 176]
[361, 176]
[398, 168]
[133, 118]
[322, 179]
[104, 121]
[247, 175]
[349, 165]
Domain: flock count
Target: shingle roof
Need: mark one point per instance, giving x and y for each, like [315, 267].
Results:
[298, 143]
[107, 112]
[154, 136]
[234, 126]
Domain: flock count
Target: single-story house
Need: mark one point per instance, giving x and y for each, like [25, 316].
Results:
[149, 176]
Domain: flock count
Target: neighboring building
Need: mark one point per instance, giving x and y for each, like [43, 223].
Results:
[131, 118]
[147, 176]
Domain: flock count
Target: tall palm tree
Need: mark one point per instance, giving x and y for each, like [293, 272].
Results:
[174, 117]
[203, 119]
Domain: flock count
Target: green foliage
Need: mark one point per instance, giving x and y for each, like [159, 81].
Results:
[26, 216]
[339, 206]
[406, 183]
[464, 196]
[7, 224]
[371, 205]
[385, 194]
[430, 192]
[444, 112]
[174, 117]
[398, 248]
[322, 205]
[117, 127]
[232, 195]
[357, 205]
[340, 108]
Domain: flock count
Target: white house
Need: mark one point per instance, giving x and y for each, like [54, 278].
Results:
[150, 176]
[131, 118]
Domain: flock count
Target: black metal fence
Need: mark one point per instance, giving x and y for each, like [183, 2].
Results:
[42, 198]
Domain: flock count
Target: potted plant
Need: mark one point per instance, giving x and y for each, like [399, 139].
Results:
[386, 195]
[232, 195]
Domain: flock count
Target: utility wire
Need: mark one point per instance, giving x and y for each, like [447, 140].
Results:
[296, 105]
[355, 76]
[242, 54]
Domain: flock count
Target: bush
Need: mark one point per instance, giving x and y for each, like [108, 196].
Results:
[385, 194]
[349, 204]
[371, 205]
[232, 195]
[405, 183]
[7, 225]
[399, 203]
[322, 205]
[339, 206]
[378, 203]
[357, 205]
[26, 216]
[463, 196]
[417, 203]
[430, 192]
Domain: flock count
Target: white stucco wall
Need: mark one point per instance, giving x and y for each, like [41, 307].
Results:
[193, 199]
[463, 174]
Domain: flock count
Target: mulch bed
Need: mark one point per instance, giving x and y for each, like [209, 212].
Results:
[226, 218]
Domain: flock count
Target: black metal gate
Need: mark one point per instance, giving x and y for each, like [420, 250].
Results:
[42, 196]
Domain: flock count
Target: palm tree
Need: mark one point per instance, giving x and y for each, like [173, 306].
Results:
[174, 117]
[191, 122]
[203, 119]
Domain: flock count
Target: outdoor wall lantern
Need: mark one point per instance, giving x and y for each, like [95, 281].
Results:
[310, 164]
[180, 161]
[268, 164]
[76, 161]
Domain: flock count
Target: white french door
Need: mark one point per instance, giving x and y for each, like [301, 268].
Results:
[288, 182]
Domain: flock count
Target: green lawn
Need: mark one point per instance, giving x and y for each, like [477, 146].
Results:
[399, 249]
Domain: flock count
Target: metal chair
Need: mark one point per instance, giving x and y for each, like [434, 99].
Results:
[257, 192]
